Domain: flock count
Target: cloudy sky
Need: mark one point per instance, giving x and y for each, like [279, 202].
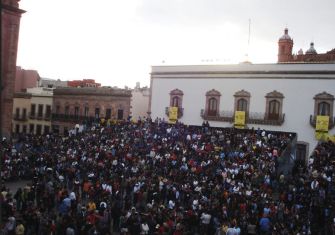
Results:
[117, 42]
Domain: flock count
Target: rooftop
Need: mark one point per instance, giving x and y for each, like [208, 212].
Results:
[100, 91]
[293, 68]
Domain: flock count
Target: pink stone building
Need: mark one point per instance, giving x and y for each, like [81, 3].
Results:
[25, 79]
[73, 106]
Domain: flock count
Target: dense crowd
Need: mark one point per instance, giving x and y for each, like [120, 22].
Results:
[156, 178]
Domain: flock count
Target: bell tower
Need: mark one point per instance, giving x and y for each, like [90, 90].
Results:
[285, 46]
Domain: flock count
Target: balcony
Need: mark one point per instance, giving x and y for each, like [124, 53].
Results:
[39, 117]
[47, 117]
[70, 118]
[32, 115]
[20, 118]
[251, 118]
[224, 116]
[180, 112]
[312, 121]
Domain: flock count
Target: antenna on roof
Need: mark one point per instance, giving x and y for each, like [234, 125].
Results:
[247, 54]
[249, 33]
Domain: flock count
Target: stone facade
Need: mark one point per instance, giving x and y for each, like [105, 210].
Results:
[26, 78]
[73, 106]
[10, 24]
[285, 54]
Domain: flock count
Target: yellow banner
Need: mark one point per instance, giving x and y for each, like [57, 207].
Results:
[324, 136]
[319, 135]
[173, 114]
[322, 123]
[172, 121]
[239, 119]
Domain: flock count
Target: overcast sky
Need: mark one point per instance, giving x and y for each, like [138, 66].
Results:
[117, 42]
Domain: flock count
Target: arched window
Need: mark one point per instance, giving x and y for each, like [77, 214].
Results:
[242, 105]
[274, 106]
[242, 100]
[324, 108]
[176, 101]
[212, 102]
[274, 109]
[212, 107]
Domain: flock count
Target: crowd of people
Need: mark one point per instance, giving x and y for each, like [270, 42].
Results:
[156, 178]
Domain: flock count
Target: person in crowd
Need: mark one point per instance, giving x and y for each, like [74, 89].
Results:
[151, 177]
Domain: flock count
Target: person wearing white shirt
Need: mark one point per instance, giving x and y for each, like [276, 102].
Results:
[73, 196]
[205, 218]
[144, 228]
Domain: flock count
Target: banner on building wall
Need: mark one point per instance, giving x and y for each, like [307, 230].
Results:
[239, 121]
[134, 120]
[324, 136]
[320, 135]
[173, 114]
[322, 123]
[321, 128]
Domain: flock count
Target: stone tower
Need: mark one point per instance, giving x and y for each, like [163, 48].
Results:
[10, 25]
[285, 45]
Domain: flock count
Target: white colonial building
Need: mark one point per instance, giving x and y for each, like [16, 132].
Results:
[277, 97]
[139, 102]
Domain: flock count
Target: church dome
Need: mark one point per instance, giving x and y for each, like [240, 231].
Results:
[285, 36]
[311, 49]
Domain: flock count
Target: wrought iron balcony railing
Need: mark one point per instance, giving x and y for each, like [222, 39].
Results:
[180, 112]
[20, 118]
[32, 115]
[71, 118]
[47, 117]
[251, 118]
[39, 117]
[312, 121]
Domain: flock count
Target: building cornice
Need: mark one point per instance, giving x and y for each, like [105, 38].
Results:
[243, 72]
[243, 76]
[22, 95]
[92, 91]
[12, 9]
